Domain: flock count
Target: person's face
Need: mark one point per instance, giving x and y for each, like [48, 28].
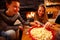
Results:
[13, 8]
[40, 11]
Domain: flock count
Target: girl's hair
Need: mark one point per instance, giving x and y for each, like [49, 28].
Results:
[42, 5]
[44, 15]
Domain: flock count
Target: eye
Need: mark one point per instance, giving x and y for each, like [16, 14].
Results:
[39, 10]
[16, 7]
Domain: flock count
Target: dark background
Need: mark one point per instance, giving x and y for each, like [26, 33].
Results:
[26, 6]
[24, 3]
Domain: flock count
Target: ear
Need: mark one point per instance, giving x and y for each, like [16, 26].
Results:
[7, 5]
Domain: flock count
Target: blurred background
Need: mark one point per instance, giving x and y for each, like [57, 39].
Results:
[52, 7]
[29, 7]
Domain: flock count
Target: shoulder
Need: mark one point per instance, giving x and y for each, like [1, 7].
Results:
[1, 14]
[2, 10]
[18, 14]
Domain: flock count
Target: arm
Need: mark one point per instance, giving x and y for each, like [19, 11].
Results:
[22, 21]
[4, 26]
[3, 23]
[20, 18]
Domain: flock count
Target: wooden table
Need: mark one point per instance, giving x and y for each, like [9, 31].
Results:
[25, 35]
[56, 26]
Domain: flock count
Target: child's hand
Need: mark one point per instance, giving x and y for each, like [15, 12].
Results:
[48, 24]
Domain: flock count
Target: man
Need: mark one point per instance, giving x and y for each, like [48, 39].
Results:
[8, 19]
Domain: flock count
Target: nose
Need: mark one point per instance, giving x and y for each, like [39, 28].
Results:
[16, 9]
[41, 12]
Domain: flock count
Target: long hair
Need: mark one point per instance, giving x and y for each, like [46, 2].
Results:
[44, 17]
[42, 5]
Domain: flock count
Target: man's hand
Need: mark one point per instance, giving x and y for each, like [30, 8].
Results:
[21, 28]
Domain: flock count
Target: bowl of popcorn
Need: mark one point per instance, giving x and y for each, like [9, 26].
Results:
[41, 33]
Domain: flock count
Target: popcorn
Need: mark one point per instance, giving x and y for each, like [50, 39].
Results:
[41, 34]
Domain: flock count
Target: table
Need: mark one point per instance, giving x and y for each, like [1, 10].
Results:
[25, 35]
[56, 26]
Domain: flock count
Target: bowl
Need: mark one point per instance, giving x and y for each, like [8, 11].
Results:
[34, 38]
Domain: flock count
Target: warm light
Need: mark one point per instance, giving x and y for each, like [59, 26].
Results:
[30, 14]
[47, 4]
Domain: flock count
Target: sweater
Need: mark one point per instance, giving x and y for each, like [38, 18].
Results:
[7, 22]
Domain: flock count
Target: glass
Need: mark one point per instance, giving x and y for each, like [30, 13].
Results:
[50, 15]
